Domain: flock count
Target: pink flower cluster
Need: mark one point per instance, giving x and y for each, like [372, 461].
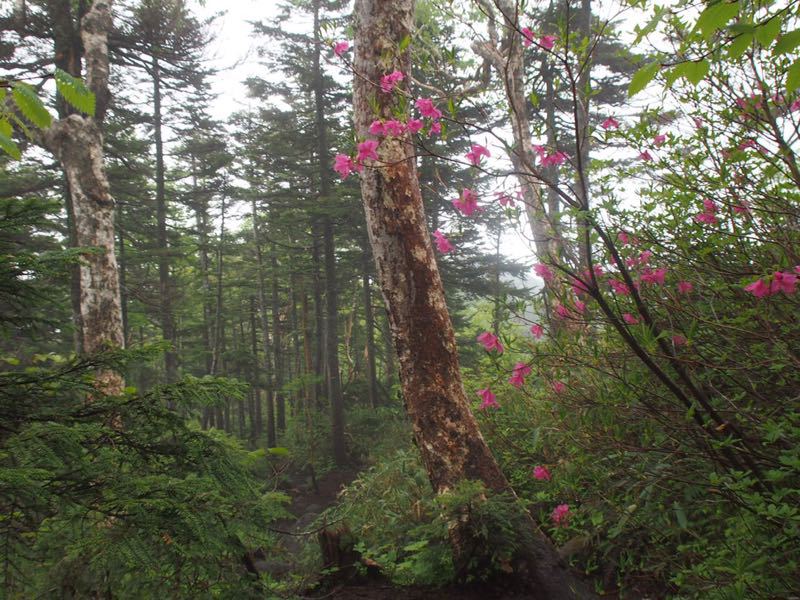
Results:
[541, 473]
[490, 342]
[475, 154]
[610, 123]
[781, 282]
[521, 370]
[488, 399]
[528, 38]
[442, 243]
[467, 203]
[340, 48]
[708, 214]
[550, 158]
[388, 82]
[560, 515]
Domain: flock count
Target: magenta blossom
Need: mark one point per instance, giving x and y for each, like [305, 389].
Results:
[684, 287]
[610, 123]
[623, 238]
[388, 82]
[394, 128]
[654, 276]
[467, 203]
[659, 140]
[678, 340]
[343, 165]
[366, 150]
[475, 154]
[646, 156]
[521, 370]
[541, 473]
[560, 515]
[488, 399]
[562, 312]
[377, 128]
[537, 331]
[555, 159]
[436, 128]
[340, 48]
[543, 271]
[427, 109]
[442, 243]
[619, 287]
[528, 37]
[559, 387]
[758, 288]
[504, 199]
[490, 342]
[414, 126]
[547, 41]
[630, 319]
[783, 282]
[580, 306]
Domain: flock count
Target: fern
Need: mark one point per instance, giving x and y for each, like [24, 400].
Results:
[75, 92]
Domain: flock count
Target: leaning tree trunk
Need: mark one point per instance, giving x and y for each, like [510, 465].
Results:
[445, 429]
[77, 142]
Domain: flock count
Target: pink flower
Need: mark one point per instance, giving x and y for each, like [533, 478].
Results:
[579, 287]
[707, 218]
[442, 243]
[394, 127]
[343, 165]
[537, 331]
[783, 282]
[521, 370]
[758, 288]
[630, 319]
[475, 153]
[794, 105]
[742, 207]
[684, 287]
[645, 257]
[377, 128]
[527, 37]
[427, 109]
[678, 340]
[560, 515]
[543, 271]
[541, 473]
[467, 203]
[366, 150]
[698, 122]
[504, 199]
[436, 128]
[388, 82]
[797, 269]
[488, 399]
[610, 123]
[654, 276]
[709, 205]
[414, 126]
[559, 387]
[623, 238]
[580, 306]
[562, 312]
[659, 140]
[541, 151]
[340, 48]
[490, 342]
[547, 41]
[619, 287]
[646, 156]
[555, 159]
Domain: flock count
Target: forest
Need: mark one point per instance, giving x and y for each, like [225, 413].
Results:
[453, 299]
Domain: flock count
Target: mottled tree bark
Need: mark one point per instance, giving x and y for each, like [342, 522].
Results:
[445, 429]
[77, 142]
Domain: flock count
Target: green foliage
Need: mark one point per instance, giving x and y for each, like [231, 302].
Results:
[75, 92]
[29, 104]
[120, 494]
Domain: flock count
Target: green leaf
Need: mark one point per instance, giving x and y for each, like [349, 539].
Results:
[404, 43]
[5, 128]
[680, 515]
[642, 77]
[716, 17]
[696, 71]
[75, 92]
[278, 451]
[30, 105]
[739, 45]
[766, 33]
[793, 76]
[534, 99]
[9, 146]
[787, 42]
